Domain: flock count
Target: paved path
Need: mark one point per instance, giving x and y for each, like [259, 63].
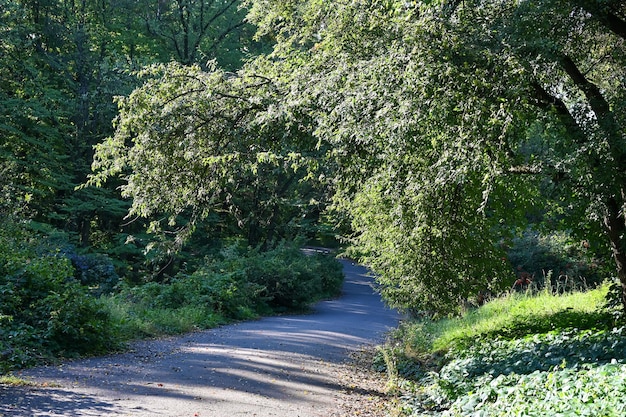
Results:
[278, 366]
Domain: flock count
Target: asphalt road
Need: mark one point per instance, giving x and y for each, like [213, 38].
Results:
[277, 366]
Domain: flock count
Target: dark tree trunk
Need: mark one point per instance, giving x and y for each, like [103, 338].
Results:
[614, 222]
[616, 230]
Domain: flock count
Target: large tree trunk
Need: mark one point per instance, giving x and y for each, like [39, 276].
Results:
[614, 222]
[616, 230]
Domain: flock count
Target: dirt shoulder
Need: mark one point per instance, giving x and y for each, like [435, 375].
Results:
[277, 366]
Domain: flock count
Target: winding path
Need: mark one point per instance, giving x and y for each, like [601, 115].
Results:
[277, 366]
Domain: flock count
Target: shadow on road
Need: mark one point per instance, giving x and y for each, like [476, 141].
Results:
[52, 402]
[273, 366]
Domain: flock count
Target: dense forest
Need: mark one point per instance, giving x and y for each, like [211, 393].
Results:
[179, 152]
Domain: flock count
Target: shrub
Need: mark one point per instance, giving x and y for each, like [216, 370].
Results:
[555, 259]
[95, 271]
[219, 292]
[44, 311]
[239, 284]
[291, 279]
[281, 279]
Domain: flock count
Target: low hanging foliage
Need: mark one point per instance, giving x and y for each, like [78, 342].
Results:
[453, 123]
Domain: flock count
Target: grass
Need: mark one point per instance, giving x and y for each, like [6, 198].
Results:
[133, 321]
[533, 355]
[513, 315]
[14, 381]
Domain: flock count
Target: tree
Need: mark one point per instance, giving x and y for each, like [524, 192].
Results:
[578, 63]
[66, 65]
[443, 124]
[33, 122]
[190, 144]
[449, 118]
[196, 31]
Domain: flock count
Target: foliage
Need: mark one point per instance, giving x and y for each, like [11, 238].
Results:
[196, 31]
[280, 278]
[95, 271]
[291, 280]
[493, 371]
[613, 302]
[66, 61]
[556, 261]
[44, 311]
[510, 317]
[33, 121]
[438, 127]
[590, 390]
[435, 129]
[454, 261]
[240, 284]
[187, 146]
[539, 351]
[569, 371]
[453, 122]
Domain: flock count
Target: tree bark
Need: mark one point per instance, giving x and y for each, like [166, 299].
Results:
[616, 229]
[614, 221]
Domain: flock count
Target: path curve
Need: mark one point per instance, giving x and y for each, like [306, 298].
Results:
[277, 366]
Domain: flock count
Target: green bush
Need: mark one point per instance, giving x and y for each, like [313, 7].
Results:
[50, 309]
[95, 271]
[239, 284]
[218, 292]
[44, 311]
[282, 279]
[555, 259]
[291, 280]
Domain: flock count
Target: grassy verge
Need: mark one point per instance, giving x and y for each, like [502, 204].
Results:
[64, 319]
[533, 356]
[14, 381]
[133, 321]
[512, 316]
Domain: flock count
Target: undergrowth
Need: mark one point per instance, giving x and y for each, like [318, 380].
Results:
[539, 355]
[49, 311]
[239, 285]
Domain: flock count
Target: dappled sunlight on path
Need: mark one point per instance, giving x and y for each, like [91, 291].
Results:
[277, 366]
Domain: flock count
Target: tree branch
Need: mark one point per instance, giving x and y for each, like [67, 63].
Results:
[525, 170]
[604, 15]
[600, 106]
[596, 100]
[546, 101]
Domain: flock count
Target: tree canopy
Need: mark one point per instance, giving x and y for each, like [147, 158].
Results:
[191, 143]
[431, 132]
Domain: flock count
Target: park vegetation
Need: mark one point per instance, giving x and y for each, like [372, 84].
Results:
[162, 162]
[531, 354]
